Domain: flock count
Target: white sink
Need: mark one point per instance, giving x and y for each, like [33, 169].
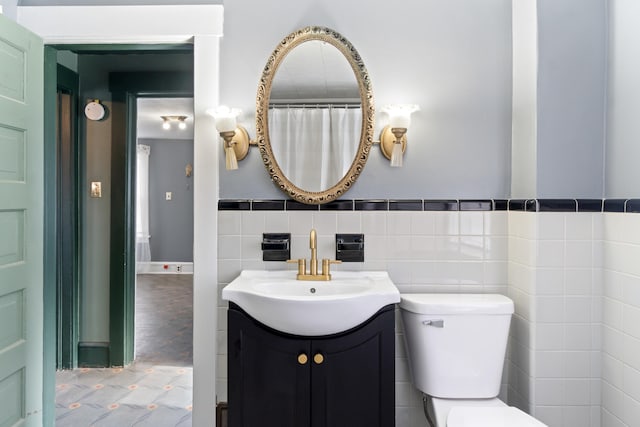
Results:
[310, 308]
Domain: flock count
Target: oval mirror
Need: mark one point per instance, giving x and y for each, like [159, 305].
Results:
[315, 115]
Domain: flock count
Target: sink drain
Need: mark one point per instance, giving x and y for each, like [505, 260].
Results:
[312, 290]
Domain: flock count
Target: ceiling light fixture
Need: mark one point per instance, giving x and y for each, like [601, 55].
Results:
[167, 120]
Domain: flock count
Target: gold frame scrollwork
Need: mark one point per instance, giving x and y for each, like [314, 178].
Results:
[262, 109]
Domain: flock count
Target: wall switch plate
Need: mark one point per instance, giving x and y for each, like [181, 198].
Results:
[96, 189]
[168, 195]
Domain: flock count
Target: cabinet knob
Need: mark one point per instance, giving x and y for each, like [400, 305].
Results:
[318, 358]
[302, 359]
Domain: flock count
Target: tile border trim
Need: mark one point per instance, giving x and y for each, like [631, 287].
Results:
[438, 205]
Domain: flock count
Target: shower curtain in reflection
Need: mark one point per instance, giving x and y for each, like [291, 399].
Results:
[143, 251]
[315, 146]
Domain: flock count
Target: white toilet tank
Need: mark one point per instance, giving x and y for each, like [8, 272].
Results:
[456, 343]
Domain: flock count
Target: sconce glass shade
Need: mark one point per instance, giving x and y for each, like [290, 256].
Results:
[166, 125]
[182, 125]
[225, 117]
[400, 114]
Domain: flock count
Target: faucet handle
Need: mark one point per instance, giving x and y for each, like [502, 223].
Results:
[326, 265]
[302, 265]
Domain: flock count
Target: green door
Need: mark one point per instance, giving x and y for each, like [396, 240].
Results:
[21, 226]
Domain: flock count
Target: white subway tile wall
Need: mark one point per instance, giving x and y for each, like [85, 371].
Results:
[574, 348]
[422, 251]
[555, 281]
[621, 321]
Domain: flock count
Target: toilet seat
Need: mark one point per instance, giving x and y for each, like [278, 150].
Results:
[494, 416]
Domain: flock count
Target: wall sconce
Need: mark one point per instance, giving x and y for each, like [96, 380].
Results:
[236, 138]
[393, 138]
[167, 120]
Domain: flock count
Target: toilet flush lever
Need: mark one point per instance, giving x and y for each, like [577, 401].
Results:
[434, 323]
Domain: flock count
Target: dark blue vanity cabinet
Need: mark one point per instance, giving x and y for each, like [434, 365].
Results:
[281, 380]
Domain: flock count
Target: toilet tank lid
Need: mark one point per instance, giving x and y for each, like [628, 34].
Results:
[456, 303]
[491, 417]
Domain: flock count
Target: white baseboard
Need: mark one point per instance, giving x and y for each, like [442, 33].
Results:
[168, 267]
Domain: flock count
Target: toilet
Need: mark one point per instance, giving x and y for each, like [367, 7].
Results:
[456, 344]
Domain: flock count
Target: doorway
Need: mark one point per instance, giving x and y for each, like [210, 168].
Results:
[164, 231]
[113, 248]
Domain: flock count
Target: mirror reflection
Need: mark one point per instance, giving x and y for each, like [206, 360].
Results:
[315, 115]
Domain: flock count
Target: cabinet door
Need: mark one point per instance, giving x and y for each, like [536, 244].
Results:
[353, 385]
[268, 386]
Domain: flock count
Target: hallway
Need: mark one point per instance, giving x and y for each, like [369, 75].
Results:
[156, 390]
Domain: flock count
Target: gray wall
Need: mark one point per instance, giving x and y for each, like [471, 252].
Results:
[623, 125]
[170, 221]
[453, 58]
[572, 59]
[94, 74]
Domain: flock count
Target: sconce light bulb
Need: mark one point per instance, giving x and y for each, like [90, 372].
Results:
[225, 118]
[166, 125]
[231, 160]
[182, 125]
[396, 156]
[400, 114]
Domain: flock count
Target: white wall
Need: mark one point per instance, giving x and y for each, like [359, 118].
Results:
[451, 57]
[9, 8]
[524, 104]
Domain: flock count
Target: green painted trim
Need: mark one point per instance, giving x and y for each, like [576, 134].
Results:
[173, 84]
[68, 285]
[50, 256]
[120, 258]
[93, 355]
[89, 49]
[127, 87]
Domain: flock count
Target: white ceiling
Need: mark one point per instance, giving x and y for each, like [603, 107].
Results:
[315, 71]
[149, 123]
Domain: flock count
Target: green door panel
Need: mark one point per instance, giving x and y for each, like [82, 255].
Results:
[21, 226]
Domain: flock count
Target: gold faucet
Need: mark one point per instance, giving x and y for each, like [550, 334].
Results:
[313, 265]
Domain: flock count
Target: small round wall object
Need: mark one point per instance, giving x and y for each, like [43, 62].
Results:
[94, 110]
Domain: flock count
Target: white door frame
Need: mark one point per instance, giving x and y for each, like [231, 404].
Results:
[202, 26]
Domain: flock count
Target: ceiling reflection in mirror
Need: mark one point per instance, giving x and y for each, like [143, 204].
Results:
[315, 115]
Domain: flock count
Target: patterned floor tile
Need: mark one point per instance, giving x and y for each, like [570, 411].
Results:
[156, 390]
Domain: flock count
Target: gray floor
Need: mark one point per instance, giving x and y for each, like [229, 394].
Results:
[156, 390]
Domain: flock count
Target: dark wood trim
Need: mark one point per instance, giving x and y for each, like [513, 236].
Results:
[68, 211]
[122, 260]
[94, 354]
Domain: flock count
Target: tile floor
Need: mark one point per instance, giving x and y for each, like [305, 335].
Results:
[156, 390]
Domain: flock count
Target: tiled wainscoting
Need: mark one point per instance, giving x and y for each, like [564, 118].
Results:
[555, 282]
[574, 351]
[621, 321]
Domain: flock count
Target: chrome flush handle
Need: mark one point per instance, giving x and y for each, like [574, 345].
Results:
[434, 323]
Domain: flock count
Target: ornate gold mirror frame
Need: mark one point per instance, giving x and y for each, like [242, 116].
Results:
[262, 110]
